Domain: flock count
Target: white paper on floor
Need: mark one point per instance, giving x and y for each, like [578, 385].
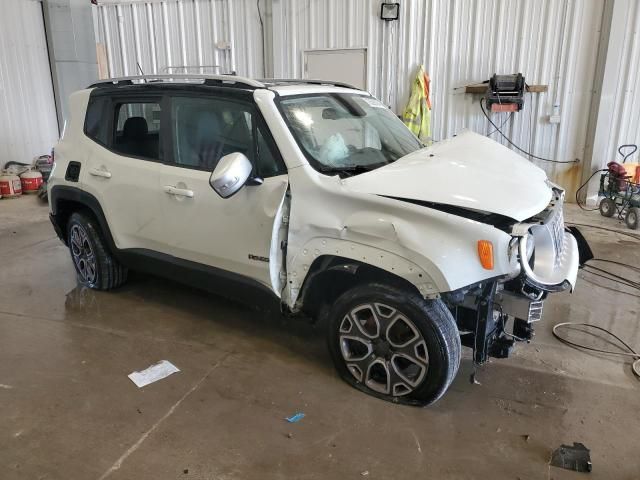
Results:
[156, 372]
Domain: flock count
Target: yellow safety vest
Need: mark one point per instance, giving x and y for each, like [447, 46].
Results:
[417, 114]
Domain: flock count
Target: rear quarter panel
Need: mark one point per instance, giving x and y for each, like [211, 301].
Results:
[71, 146]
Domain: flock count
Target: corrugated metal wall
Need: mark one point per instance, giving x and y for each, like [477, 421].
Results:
[161, 36]
[28, 125]
[552, 42]
[625, 124]
[459, 42]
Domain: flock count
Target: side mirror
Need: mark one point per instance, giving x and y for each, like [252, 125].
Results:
[231, 174]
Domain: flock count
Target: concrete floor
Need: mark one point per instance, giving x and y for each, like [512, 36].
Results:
[68, 410]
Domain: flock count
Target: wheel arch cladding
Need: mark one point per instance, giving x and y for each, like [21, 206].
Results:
[67, 200]
[329, 276]
[299, 267]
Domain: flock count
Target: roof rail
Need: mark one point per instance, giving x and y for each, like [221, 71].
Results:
[227, 80]
[308, 82]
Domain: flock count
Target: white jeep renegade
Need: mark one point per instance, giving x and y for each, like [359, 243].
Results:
[315, 194]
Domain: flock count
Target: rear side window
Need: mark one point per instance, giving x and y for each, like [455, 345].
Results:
[96, 122]
[137, 129]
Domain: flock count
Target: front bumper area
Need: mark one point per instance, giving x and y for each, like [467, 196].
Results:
[495, 314]
[498, 313]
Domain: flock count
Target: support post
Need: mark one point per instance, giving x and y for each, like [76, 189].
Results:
[608, 68]
[72, 49]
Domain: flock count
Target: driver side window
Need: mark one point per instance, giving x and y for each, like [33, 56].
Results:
[207, 129]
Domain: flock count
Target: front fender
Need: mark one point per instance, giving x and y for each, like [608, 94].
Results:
[434, 250]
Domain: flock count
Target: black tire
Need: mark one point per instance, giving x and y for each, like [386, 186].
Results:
[632, 218]
[95, 265]
[435, 327]
[607, 207]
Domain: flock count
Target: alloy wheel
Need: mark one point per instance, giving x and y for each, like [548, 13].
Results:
[383, 349]
[83, 255]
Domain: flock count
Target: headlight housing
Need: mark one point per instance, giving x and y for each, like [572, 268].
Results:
[540, 258]
[547, 253]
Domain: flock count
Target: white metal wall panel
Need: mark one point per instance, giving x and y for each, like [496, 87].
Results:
[162, 35]
[28, 125]
[625, 125]
[552, 42]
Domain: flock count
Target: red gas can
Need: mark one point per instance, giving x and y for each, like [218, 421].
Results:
[10, 186]
[31, 181]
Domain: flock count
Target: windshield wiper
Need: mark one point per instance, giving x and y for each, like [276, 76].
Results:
[351, 170]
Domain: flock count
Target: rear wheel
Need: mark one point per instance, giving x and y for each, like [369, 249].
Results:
[633, 218]
[393, 344]
[95, 265]
[607, 207]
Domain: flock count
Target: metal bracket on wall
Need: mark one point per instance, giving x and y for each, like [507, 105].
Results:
[481, 89]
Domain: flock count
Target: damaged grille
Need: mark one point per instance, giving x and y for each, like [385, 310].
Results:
[552, 219]
[556, 226]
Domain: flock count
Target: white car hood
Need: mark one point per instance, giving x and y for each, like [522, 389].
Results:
[470, 171]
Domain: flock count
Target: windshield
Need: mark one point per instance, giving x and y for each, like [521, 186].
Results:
[347, 133]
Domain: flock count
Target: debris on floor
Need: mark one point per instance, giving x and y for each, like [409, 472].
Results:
[576, 457]
[156, 372]
[295, 418]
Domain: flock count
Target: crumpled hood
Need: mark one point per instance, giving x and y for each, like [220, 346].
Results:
[470, 171]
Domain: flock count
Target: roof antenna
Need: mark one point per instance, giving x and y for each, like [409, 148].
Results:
[141, 72]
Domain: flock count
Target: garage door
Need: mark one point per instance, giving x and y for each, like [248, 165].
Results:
[347, 65]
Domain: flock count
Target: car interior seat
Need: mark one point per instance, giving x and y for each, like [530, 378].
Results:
[136, 139]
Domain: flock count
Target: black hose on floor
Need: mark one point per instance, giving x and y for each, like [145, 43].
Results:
[630, 353]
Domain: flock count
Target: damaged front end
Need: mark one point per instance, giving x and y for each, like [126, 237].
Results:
[494, 314]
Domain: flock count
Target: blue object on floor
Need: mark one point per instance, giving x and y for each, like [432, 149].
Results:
[295, 418]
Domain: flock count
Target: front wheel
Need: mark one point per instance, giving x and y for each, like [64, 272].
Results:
[607, 207]
[393, 344]
[633, 218]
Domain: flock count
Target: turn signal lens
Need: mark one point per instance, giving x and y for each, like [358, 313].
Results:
[485, 252]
